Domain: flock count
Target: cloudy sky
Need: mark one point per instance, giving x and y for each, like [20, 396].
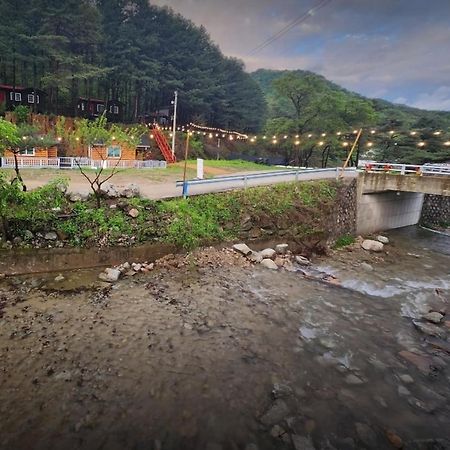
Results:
[393, 49]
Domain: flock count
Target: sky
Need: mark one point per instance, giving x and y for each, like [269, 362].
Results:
[398, 50]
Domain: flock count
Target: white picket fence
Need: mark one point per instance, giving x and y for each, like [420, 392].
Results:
[73, 163]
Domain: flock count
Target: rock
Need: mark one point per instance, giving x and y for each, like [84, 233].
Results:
[277, 432]
[78, 197]
[310, 426]
[113, 206]
[251, 447]
[110, 275]
[407, 379]
[130, 273]
[403, 391]
[269, 264]
[428, 444]
[28, 235]
[255, 257]
[50, 236]
[302, 260]
[126, 265]
[383, 239]
[2, 276]
[281, 391]
[246, 223]
[302, 443]
[268, 253]
[394, 439]
[366, 435]
[17, 240]
[372, 246]
[133, 213]
[243, 249]
[423, 363]
[110, 191]
[281, 249]
[279, 261]
[430, 329]
[440, 344]
[136, 267]
[275, 414]
[433, 317]
[129, 191]
[59, 278]
[366, 266]
[353, 379]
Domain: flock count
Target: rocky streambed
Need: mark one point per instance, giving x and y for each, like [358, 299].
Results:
[213, 350]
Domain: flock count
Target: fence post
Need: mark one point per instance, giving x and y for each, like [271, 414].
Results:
[296, 175]
[245, 181]
[403, 171]
[185, 189]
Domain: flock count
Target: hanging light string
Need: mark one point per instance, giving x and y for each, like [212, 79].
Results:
[212, 132]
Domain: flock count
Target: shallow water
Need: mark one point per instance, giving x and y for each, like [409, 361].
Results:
[188, 358]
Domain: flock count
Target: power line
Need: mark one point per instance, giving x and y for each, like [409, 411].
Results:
[302, 18]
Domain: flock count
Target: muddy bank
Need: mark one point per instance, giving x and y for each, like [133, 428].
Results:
[210, 352]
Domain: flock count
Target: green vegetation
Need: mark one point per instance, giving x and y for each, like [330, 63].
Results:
[344, 241]
[301, 210]
[301, 102]
[131, 51]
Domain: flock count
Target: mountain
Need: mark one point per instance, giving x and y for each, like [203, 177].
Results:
[302, 101]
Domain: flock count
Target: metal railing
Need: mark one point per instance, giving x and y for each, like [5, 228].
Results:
[65, 162]
[293, 175]
[406, 169]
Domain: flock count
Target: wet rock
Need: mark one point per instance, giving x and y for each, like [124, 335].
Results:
[110, 275]
[301, 260]
[243, 249]
[407, 379]
[428, 444]
[394, 439]
[366, 267]
[281, 391]
[133, 213]
[402, 391]
[268, 253]
[439, 344]
[383, 239]
[59, 278]
[353, 380]
[2, 276]
[281, 249]
[434, 317]
[269, 264]
[366, 435]
[302, 443]
[50, 236]
[255, 257]
[422, 362]
[275, 414]
[372, 246]
[429, 329]
[278, 432]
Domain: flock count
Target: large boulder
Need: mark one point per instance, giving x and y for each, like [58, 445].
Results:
[110, 275]
[372, 246]
[110, 191]
[268, 253]
[243, 249]
[281, 249]
[269, 264]
[129, 191]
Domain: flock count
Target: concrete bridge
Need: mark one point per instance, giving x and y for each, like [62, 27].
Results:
[392, 196]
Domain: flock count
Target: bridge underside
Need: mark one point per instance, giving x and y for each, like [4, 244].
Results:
[381, 182]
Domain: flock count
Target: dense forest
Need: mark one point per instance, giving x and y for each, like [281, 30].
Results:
[302, 102]
[126, 50]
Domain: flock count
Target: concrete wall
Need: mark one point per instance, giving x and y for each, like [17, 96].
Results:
[436, 211]
[387, 210]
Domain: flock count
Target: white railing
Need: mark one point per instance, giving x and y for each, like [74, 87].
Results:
[65, 162]
[406, 169]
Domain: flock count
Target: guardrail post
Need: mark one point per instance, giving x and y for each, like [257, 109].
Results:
[403, 171]
[185, 189]
[245, 182]
[296, 175]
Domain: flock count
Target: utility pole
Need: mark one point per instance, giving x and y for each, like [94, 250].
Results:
[175, 104]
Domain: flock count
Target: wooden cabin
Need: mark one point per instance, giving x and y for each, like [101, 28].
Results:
[34, 152]
[90, 108]
[114, 111]
[13, 96]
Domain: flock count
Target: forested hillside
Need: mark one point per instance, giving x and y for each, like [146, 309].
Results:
[302, 102]
[125, 50]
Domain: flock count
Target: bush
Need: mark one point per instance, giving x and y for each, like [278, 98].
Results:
[344, 241]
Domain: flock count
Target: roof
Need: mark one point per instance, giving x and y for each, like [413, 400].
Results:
[90, 99]
[8, 86]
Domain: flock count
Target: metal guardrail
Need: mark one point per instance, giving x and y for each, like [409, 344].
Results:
[337, 171]
[406, 169]
[65, 162]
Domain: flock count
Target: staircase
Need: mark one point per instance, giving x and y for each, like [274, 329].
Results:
[163, 145]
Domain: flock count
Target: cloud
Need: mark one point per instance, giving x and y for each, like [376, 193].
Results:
[438, 100]
[398, 48]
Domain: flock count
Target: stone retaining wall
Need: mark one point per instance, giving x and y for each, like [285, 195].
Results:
[436, 211]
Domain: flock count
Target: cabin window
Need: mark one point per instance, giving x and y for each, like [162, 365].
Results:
[30, 98]
[100, 108]
[83, 106]
[37, 99]
[116, 110]
[114, 151]
[15, 96]
[29, 151]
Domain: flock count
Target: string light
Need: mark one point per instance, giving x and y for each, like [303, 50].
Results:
[421, 144]
[437, 133]
[369, 144]
[297, 142]
[321, 143]
[447, 143]
[413, 133]
[324, 134]
[345, 144]
[310, 135]
[372, 132]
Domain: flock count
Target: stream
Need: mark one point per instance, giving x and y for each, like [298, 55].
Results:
[210, 352]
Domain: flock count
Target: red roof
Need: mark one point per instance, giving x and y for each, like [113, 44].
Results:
[92, 99]
[9, 87]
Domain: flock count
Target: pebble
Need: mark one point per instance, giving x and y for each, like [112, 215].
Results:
[281, 391]
[403, 391]
[407, 379]
[243, 249]
[366, 435]
[302, 260]
[133, 213]
[383, 239]
[394, 439]
[281, 249]
[59, 278]
[366, 267]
